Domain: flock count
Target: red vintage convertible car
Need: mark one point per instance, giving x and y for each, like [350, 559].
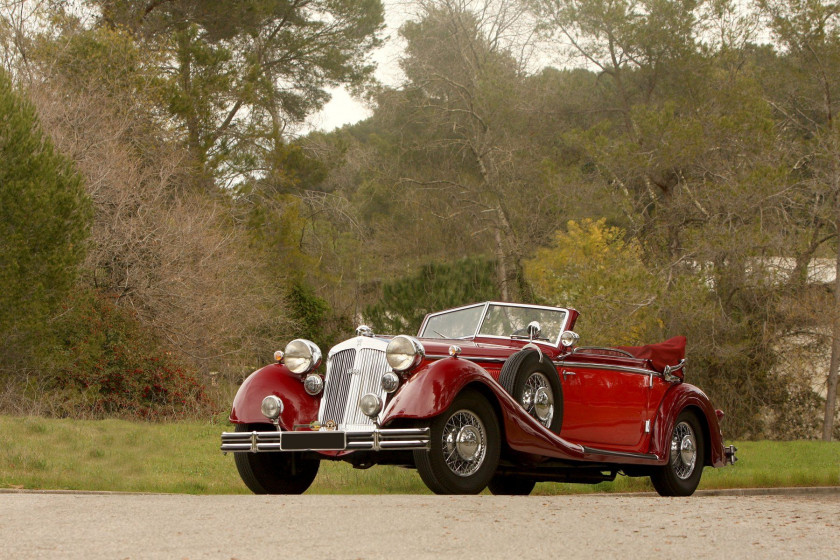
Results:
[493, 394]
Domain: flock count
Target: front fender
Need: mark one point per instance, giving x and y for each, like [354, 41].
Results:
[275, 379]
[430, 391]
[677, 399]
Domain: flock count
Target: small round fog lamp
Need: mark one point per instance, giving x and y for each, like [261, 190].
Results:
[370, 405]
[390, 381]
[272, 407]
[313, 384]
[569, 338]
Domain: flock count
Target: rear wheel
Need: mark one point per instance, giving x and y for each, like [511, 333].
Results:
[681, 475]
[274, 472]
[465, 447]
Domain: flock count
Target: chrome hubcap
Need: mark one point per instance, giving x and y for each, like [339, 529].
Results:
[683, 451]
[537, 398]
[464, 443]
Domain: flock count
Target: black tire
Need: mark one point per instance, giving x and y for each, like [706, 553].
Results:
[445, 469]
[274, 473]
[502, 485]
[681, 475]
[521, 375]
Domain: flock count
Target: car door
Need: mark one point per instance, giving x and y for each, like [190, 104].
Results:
[606, 400]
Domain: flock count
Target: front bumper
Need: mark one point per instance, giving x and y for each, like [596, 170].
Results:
[374, 440]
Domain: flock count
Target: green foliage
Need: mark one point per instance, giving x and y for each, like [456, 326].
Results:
[108, 365]
[44, 223]
[311, 315]
[406, 301]
[235, 74]
[594, 268]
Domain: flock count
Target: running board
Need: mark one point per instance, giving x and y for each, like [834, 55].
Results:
[634, 457]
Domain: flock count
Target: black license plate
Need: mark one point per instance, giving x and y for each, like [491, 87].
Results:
[319, 441]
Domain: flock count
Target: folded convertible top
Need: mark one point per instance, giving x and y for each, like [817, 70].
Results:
[668, 353]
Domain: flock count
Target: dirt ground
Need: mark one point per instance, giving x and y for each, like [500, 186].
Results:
[139, 526]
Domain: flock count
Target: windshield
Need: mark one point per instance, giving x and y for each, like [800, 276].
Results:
[501, 320]
[461, 323]
[508, 321]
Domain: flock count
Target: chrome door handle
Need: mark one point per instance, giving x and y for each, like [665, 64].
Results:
[567, 373]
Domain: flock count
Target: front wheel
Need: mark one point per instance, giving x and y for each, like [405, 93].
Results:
[274, 472]
[681, 475]
[465, 447]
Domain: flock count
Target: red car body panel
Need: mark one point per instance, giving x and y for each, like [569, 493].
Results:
[431, 391]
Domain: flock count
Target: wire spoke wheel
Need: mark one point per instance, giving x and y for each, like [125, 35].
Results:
[537, 398]
[465, 443]
[687, 455]
[534, 383]
[465, 447]
[683, 451]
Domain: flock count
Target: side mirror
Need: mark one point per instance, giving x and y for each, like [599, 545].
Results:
[569, 338]
[534, 330]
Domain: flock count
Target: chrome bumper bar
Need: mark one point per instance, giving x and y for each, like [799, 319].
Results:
[375, 440]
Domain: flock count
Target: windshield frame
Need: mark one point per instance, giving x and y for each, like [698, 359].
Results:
[486, 305]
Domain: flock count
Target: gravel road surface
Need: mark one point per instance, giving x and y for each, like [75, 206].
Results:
[139, 526]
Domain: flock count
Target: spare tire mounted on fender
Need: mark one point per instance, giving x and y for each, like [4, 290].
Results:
[532, 380]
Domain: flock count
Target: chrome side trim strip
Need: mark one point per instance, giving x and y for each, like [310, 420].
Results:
[470, 358]
[594, 451]
[626, 369]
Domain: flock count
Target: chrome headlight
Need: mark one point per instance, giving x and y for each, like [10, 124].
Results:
[301, 356]
[272, 407]
[569, 338]
[370, 405]
[313, 384]
[404, 352]
[390, 381]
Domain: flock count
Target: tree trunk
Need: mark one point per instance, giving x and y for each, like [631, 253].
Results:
[501, 266]
[831, 393]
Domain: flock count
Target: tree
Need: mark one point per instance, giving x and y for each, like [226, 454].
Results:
[464, 110]
[406, 301]
[178, 259]
[592, 267]
[237, 75]
[809, 33]
[44, 224]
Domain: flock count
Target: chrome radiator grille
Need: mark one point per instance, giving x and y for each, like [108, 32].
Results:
[351, 373]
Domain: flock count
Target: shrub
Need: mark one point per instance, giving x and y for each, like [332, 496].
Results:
[109, 366]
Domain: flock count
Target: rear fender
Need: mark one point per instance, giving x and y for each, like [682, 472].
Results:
[431, 391]
[275, 379]
[679, 398]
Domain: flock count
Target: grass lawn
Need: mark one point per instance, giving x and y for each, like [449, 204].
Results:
[184, 457]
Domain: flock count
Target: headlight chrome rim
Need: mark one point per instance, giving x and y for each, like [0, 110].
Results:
[313, 384]
[371, 405]
[569, 338]
[272, 407]
[390, 382]
[404, 352]
[301, 356]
